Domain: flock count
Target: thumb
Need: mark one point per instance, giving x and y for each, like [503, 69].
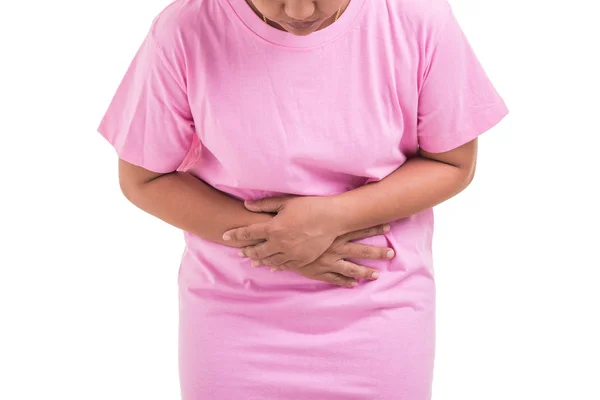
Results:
[269, 205]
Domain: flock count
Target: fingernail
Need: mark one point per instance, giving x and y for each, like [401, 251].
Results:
[255, 263]
[241, 254]
[273, 269]
[354, 283]
[390, 254]
[375, 275]
[226, 237]
[386, 228]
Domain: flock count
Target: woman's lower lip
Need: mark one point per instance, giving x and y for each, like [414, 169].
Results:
[301, 25]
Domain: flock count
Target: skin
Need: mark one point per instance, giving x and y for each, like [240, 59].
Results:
[305, 227]
[308, 235]
[186, 202]
[282, 13]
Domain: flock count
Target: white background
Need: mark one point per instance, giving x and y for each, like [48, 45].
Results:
[88, 292]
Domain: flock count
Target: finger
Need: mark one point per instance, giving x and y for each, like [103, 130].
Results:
[337, 279]
[281, 267]
[363, 251]
[258, 252]
[247, 233]
[351, 270]
[275, 260]
[365, 233]
[287, 266]
[270, 204]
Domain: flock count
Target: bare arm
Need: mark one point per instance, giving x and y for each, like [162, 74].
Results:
[305, 226]
[186, 202]
[421, 183]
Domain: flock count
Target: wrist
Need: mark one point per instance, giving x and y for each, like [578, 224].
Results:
[338, 213]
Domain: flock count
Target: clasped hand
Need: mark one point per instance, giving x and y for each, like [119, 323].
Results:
[305, 235]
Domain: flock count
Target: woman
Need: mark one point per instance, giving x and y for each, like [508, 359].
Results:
[275, 133]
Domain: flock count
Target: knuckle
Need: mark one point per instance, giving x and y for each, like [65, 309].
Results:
[259, 202]
[274, 261]
[340, 240]
[348, 250]
[323, 261]
[277, 260]
[313, 268]
[364, 273]
[336, 280]
[336, 250]
[344, 238]
[245, 234]
[269, 228]
[289, 265]
[366, 252]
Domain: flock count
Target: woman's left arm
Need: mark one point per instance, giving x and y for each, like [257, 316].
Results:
[306, 226]
[421, 183]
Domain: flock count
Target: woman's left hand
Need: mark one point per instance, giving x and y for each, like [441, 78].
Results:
[303, 229]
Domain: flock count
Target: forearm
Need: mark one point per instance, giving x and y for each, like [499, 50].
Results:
[188, 203]
[417, 185]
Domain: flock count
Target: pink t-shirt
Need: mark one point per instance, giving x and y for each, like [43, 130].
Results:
[258, 112]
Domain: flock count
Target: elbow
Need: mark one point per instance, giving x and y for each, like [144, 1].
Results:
[131, 190]
[468, 174]
[133, 178]
[471, 175]
[127, 189]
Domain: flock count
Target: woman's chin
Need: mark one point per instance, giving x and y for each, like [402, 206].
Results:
[304, 31]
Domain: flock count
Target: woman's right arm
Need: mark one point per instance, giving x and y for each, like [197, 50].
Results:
[186, 202]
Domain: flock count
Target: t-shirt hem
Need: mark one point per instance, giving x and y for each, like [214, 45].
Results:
[131, 158]
[483, 122]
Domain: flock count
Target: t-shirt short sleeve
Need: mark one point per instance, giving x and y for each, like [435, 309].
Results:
[149, 122]
[457, 102]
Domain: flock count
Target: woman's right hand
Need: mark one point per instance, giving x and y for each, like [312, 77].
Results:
[332, 266]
